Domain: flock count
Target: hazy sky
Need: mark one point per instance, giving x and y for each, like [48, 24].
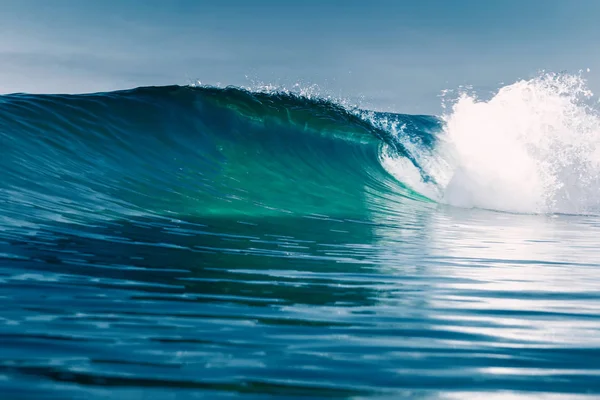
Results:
[396, 54]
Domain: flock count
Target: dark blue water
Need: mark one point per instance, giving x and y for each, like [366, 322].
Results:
[175, 243]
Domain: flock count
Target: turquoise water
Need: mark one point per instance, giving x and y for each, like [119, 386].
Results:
[180, 242]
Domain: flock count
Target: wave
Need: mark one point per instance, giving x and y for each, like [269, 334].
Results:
[206, 151]
[172, 151]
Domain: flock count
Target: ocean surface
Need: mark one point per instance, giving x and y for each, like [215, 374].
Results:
[206, 243]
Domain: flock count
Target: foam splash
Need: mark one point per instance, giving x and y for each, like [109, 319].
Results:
[534, 147]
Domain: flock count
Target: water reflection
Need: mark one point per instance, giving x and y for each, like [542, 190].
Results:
[509, 301]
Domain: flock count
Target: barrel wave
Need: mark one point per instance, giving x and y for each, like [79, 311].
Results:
[162, 151]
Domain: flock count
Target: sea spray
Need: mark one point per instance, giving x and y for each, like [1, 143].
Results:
[533, 147]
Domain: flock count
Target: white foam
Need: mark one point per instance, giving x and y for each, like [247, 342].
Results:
[534, 147]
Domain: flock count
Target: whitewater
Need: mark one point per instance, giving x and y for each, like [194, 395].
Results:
[532, 148]
[183, 242]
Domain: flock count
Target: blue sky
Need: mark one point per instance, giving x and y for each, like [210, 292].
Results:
[394, 55]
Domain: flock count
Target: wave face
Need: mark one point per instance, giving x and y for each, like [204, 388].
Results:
[181, 242]
[191, 151]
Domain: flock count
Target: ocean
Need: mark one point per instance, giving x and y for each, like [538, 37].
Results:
[186, 242]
